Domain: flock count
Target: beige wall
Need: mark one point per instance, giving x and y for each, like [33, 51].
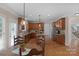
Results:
[69, 22]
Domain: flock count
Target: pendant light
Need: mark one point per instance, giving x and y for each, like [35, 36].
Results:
[23, 23]
[24, 11]
[24, 15]
[23, 18]
[39, 21]
[39, 17]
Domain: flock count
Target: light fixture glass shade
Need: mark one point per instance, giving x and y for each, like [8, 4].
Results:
[24, 22]
[39, 25]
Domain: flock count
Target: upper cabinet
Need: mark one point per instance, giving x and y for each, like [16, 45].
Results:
[60, 24]
[36, 26]
[21, 24]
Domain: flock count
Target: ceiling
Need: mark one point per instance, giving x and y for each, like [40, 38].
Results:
[48, 11]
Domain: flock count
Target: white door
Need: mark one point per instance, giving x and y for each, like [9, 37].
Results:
[2, 41]
[12, 32]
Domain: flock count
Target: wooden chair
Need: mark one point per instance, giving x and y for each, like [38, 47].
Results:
[18, 40]
[34, 52]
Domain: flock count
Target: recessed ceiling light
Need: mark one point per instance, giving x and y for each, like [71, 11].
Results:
[48, 15]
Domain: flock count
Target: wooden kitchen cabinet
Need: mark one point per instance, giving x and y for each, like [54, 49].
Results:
[21, 24]
[35, 26]
[60, 24]
[59, 28]
[60, 39]
[20, 19]
[30, 26]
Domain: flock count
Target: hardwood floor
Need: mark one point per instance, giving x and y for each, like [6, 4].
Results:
[54, 49]
[51, 49]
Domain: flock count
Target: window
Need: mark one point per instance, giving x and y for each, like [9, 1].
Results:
[1, 27]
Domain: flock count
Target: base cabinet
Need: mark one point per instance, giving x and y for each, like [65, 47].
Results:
[60, 39]
[59, 31]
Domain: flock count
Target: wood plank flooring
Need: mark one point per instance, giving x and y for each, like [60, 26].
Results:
[54, 49]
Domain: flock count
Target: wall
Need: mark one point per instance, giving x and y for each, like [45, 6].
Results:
[48, 30]
[8, 17]
[69, 22]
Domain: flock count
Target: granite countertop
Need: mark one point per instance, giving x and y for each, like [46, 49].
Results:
[40, 34]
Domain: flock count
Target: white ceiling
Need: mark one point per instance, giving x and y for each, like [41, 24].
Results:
[48, 11]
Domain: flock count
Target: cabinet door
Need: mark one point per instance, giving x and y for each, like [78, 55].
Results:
[60, 24]
[63, 23]
[57, 24]
[60, 39]
[29, 26]
[36, 26]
